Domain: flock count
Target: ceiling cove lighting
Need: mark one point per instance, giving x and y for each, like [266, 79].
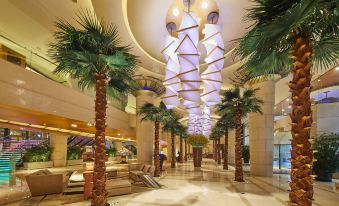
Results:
[183, 79]
[54, 129]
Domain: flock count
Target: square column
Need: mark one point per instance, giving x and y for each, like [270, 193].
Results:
[58, 142]
[144, 129]
[261, 131]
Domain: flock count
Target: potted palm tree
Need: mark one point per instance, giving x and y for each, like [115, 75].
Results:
[224, 124]
[170, 125]
[150, 112]
[91, 53]
[215, 135]
[327, 156]
[291, 36]
[238, 105]
[182, 131]
[198, 141]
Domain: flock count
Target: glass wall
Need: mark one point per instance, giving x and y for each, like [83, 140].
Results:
[281, 156]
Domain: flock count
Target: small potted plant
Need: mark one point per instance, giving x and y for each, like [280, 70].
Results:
[198, 141]
[326, 148]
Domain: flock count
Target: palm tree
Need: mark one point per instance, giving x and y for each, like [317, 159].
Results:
[225, 123]
[238, 106]
[182, 131]
[157, 115]
[290, 36]
[92, 54]
[170, 125]
[215, 135]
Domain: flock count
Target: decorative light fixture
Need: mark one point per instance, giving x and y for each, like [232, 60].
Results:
[183, 79]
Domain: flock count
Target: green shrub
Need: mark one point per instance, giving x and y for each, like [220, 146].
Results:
[40, 153]
[197, 140]
[246, 153]
[327, 153]
[74, 153]
[111, 152]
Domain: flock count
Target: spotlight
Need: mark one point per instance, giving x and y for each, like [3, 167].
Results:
[74, 125]
[204, 5]
[175, 12]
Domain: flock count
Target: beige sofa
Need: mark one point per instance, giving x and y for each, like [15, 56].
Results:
[118, 187]
[135, 170]
[43, 182]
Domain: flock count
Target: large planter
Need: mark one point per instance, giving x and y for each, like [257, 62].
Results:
[74, 162]
[197, 156]
[324, 176]
[37, 165]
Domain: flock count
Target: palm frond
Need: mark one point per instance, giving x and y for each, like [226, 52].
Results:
[91, 49]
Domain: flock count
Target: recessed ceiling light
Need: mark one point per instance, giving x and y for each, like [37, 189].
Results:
[318, 80]
[204, 5]
[175, 12]
[74, 125]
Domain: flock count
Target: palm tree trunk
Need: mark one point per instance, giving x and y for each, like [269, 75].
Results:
[225, 166]
[173, 149]
[214, 150]
[99, 176]
[238, 150]
[181, 158]
[156, 149]
[301, 192]
[185, 151]
[218, 152]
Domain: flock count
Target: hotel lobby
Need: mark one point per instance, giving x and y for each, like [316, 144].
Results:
[169, 102]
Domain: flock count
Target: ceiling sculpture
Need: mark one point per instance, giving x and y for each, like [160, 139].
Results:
[184, 77]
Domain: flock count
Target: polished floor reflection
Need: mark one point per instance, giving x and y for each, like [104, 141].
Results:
[208, 186]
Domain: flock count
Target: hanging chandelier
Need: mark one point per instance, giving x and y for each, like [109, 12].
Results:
[197, 90]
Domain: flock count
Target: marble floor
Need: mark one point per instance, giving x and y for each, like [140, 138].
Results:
[208, 186]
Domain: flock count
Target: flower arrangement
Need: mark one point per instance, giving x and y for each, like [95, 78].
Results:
[197, 140]
[123, 152]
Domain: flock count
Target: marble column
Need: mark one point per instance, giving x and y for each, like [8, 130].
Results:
[231, 146]
[58, 143]
[261, 131]
[144, 130]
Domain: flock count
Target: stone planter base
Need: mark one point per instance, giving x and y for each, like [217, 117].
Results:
[74, 162]
[37, 165]
[197, 156]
